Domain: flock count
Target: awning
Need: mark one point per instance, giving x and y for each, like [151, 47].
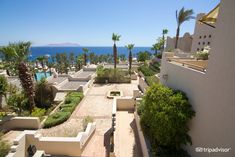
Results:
[210, 18]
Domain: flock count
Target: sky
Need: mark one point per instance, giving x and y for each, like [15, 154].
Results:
[92, 22]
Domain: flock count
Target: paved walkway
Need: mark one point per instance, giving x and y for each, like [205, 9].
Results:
[10, 136]
[126, 145]
[97, 105]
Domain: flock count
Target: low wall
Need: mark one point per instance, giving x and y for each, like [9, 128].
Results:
[84, 137]
[85, 87]
[68, 146]
[18, 149]
[134, 76]
[142, 139]
[142, 84]
[21, 123]
[125, 103]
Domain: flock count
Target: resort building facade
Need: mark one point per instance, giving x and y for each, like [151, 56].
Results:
[184, 43]
[202, 36]
[210, 88]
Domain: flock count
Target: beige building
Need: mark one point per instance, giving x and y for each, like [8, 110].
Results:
[210, 88]
[203, 35]
[184, 43]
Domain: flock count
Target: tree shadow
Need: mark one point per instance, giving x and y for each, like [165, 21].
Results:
[137, 152]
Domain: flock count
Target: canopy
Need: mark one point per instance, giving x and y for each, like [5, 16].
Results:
[210, 18]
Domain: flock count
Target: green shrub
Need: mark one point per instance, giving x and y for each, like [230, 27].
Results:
[4, 148]
[2, 115]
[68, 100]
[56, 119]
[146, 70]
[201, 55]
[155, 67]
[113, 76]
[38, 112]
[18, 102]
[151, 80]
[164, 115]
[66, 109]
[143, 56]
[86, 120]
[43, 94]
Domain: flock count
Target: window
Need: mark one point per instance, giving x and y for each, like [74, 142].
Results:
[200, 37]
[204, 36]
[202, 49]
[198, 49]
[203, 43]
[199, 43]
[208, 43]
[209, 36]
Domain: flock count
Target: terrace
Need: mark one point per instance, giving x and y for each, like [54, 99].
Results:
[200, 65]
[187, 61]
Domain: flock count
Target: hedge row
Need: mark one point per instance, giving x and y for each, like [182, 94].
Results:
[146, 70]
[151, 80]
[112, 76]
[66, 109]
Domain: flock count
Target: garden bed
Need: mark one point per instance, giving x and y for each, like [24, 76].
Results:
[105, 75]
[114, 93]
[65, 111]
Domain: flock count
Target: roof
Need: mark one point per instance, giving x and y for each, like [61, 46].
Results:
[210, 18]
[60, 96]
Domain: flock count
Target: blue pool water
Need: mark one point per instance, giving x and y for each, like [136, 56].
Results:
[41, 75]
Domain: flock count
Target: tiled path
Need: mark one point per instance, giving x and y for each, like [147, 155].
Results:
[126, 145]
[10, 136]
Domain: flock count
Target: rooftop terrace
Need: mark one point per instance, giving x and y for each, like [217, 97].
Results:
[84, 73]
[200, 65]
[72, 85]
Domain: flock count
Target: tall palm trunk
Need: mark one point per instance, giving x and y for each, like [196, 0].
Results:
[27, 83]
[85, 58]
[115, 55]
[177, 37]
[163, 38]
[130, 62]
[1, 96]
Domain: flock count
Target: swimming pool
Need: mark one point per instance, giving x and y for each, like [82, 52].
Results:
[41, 75]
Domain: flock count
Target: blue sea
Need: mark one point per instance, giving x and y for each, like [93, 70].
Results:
[41, 51]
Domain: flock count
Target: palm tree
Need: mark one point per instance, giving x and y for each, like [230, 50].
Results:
[181, 17]
[115, 38]
[79, 62]
[130, 47]
[85, 51]
[155, 48]
[41, 60]
[3, 88]
[19, 52]
[164, 32]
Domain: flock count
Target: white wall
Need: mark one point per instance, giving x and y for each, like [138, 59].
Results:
[211, 93]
